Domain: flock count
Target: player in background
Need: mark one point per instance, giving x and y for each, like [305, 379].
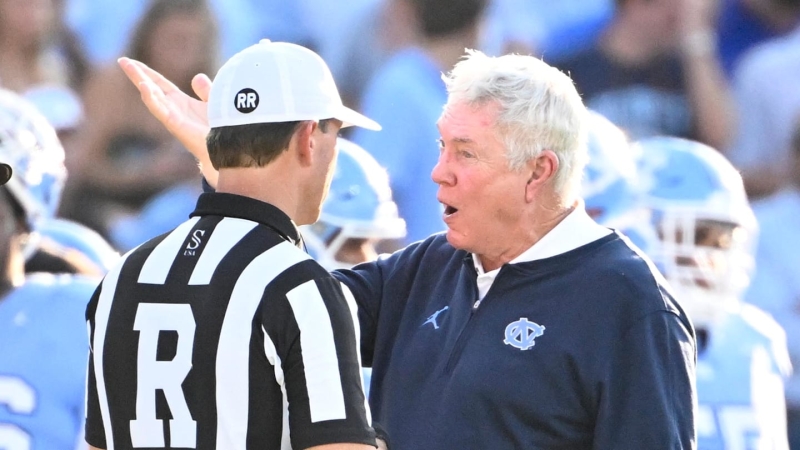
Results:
[357, 214]
[610, 186]
[87, 252]
[43, 341]
[160, 214]
[53, 244]
[37, 159]
[706, 231]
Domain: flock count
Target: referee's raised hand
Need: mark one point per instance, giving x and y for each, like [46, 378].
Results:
[184, 116]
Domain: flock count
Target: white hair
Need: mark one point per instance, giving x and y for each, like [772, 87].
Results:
[540, 109]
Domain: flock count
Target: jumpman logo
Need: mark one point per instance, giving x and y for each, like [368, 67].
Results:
[432, 318]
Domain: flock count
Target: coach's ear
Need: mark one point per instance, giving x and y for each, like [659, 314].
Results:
[542, 169]
[302, 144]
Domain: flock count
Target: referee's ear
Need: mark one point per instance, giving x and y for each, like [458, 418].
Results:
[302, 144]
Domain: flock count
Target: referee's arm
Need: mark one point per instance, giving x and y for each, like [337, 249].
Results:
[315, 336]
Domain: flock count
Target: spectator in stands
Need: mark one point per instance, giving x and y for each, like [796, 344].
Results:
[767, 97]
[35, 47]
[104, 27]
[123, 156]
[744, 23]
[373, 37]
[654, 71]
[554, 30]
[406, 97]
[776, 285]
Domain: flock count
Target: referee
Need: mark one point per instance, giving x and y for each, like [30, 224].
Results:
[224, 333]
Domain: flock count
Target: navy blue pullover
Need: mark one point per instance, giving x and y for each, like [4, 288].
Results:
[583, 350]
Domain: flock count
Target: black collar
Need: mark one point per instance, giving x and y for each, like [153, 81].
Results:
[240, 207]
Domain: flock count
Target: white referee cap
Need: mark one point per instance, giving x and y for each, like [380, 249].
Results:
[277, 82]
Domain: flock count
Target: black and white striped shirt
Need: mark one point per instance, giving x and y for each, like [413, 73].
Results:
[223, 334]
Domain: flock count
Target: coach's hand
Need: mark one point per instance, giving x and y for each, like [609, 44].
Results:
[185, 117]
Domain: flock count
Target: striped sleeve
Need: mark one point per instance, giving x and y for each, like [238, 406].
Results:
[98, 419]
[315, 338]
[94, 434]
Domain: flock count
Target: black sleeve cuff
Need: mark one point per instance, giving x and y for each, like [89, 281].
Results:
[380, 433]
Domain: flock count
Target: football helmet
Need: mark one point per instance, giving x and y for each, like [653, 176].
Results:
[75, 236]
[609, 186]
[706, 228]
[29, 144]
[161, 213]
[60, 105]
[359, 205]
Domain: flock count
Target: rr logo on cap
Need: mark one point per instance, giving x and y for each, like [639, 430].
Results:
[246, 101]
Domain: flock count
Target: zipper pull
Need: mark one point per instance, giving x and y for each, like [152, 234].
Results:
[476, 304]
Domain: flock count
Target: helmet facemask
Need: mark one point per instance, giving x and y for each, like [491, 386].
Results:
[708, 262]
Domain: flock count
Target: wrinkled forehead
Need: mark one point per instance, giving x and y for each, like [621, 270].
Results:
[463, 118]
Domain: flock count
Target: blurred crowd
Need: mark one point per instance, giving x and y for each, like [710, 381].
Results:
[725, 73]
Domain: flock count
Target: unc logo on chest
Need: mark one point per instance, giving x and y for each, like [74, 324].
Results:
[521, 334]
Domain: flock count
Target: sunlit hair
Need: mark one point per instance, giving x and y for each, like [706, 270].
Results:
[540, 109]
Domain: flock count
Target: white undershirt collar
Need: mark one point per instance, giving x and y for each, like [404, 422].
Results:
[575, 230]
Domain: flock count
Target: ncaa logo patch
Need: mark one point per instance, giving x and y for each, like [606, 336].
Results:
[521, 334]
[246, 101]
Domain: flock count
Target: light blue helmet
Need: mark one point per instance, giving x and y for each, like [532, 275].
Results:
[695, 194]
[359, 205]
[609, 185]
[72, 235]
[28, 143]
[161, 213]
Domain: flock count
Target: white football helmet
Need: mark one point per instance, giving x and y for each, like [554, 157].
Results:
[28, 143]
[706, 227]
[359, 205]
